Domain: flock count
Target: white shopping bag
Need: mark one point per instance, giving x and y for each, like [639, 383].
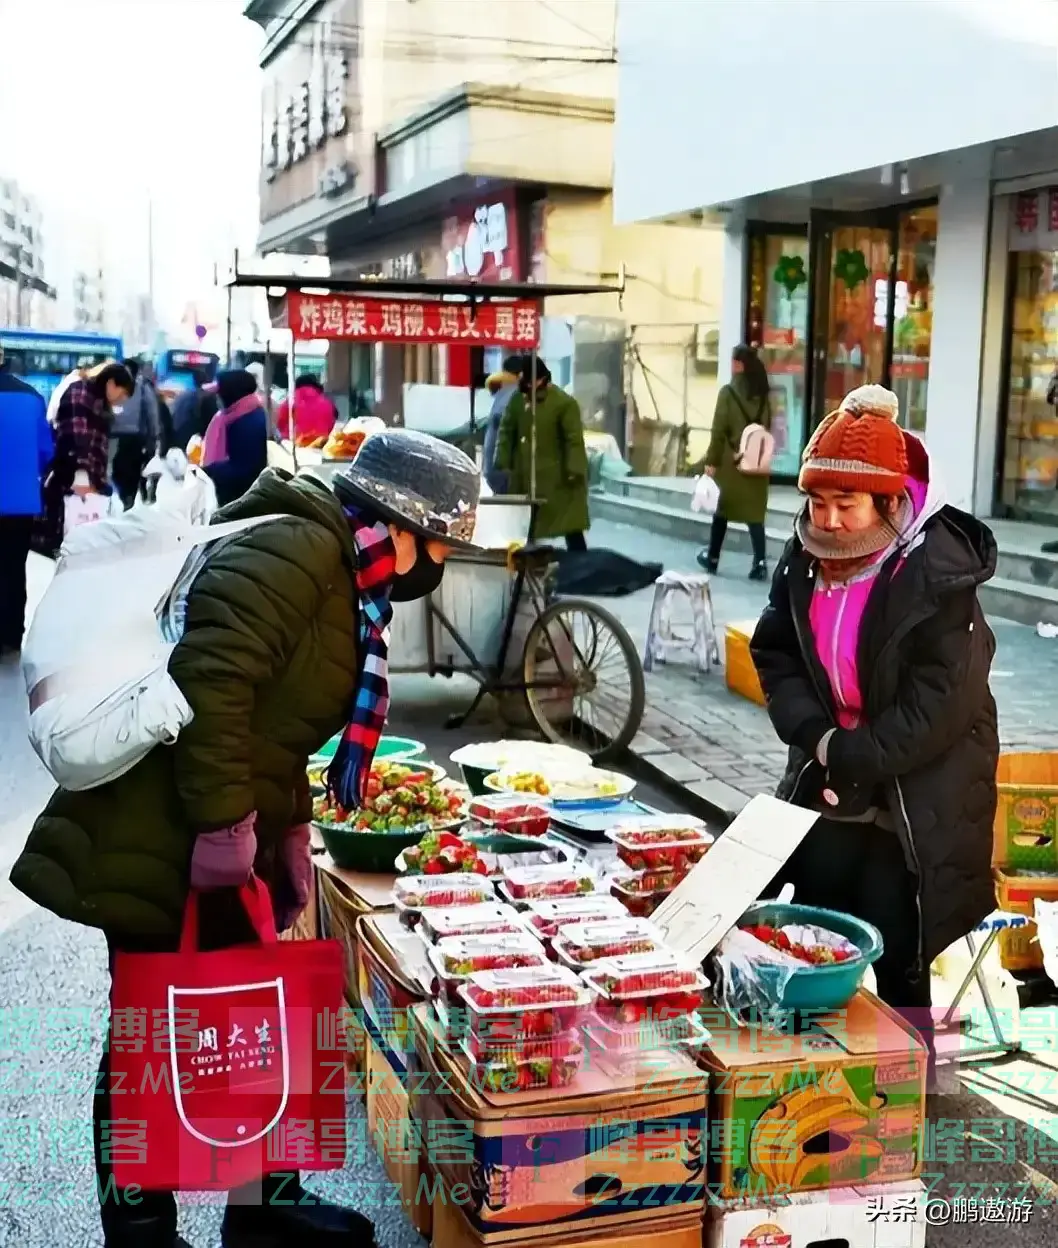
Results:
[706, 497]
[89, 509]
[182, 487]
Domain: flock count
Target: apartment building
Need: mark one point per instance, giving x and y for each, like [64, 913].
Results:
[26, 298]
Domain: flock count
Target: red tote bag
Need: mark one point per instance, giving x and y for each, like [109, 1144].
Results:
[226, 1066]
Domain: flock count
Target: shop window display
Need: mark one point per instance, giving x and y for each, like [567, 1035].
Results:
[1030, 461]
[778, 328]
[913, 313]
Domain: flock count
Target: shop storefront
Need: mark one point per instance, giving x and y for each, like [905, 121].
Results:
[840, 302]
[1029, 480]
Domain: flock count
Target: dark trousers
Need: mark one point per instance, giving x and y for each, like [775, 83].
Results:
[143, 1218]
[860, 869]
[576, 541]
[718, 531]
[127, 470]
[15, 533]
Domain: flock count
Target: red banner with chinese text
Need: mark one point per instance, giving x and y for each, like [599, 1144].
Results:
[359, 318]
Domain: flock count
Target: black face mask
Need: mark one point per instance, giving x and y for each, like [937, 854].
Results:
[421, 581]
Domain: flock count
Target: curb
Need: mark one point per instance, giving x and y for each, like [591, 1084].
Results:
[708, 798]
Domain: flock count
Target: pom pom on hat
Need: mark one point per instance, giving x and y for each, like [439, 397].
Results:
[871, 400]
[859, 448]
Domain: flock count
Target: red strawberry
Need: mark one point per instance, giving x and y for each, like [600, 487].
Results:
[434, 867]
[479, 868]
[782, 941]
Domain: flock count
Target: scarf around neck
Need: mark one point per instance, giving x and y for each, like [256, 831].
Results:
[215, 444]
[376, 566]
[826, 548]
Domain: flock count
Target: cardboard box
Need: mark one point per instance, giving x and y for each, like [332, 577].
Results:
[740, 673]
[452, 1230]
[554, 1163]
[396, 1136]
[888, 1216]
[1019, 949]
[840, 1104]
[392, 971]
[1025, 836]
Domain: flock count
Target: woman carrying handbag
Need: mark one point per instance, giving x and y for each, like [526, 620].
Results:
[740, 434]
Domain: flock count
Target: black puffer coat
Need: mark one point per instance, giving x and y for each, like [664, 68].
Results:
[929, 739]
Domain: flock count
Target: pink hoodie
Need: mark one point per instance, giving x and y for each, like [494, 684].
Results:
[837, 611]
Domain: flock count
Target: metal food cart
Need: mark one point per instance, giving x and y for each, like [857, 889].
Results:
[569, 662]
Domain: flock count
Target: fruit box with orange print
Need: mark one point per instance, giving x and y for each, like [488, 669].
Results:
[560, 1162]
[391, 963]
[840, 1104]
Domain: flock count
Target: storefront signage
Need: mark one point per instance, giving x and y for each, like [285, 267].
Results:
[356, 318]
[1034, 221]
[482, 244]
[313, 144]
[308, 116]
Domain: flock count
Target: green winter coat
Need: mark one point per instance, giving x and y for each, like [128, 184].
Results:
[268, 662]
[743, 498]
[561, 460]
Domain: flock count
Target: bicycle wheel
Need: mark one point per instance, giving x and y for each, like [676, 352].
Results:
[583, 678]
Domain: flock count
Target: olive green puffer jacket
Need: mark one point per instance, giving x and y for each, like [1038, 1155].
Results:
[268, 662]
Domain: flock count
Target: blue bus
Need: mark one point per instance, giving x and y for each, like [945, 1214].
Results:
[174, 371]
[43, 358]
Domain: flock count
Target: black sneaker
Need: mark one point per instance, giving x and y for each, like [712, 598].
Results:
[706, 563]
[759, 572]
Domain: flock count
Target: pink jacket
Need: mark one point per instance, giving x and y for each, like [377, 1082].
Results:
[314, 414]
[837, 611]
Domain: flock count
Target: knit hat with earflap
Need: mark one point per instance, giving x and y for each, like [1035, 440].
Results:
[859, 448]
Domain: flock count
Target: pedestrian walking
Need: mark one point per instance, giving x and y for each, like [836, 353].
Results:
[874, 656]
[741, 405]
[503, 386]
[236, 444]
[314, 413]
[135, 435]
[193, 410]
[284, 641]
[83, 423]
[26, 448]
[561, 456]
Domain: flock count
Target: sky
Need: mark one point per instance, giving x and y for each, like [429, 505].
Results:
[111, 105]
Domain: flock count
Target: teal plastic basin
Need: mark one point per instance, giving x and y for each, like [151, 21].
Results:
[390, 750]
[817, 987]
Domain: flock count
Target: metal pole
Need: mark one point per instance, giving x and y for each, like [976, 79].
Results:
[150, 262]
[532, 428]
[290, 399]
[229, 328]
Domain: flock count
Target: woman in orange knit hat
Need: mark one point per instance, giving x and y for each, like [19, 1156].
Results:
[874, 656]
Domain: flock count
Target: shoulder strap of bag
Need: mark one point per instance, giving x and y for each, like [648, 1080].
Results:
[185, 537]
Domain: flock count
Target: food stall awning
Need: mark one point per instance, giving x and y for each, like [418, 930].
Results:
[438, 288]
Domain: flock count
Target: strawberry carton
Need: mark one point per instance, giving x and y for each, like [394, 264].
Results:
[547, 916]
[554, 879]
[683, 1031]
[487, 919]
[579, 944]
[667, 842]
[645, 986]
[642, 892]
[414, 893]
[524, 1004]
[455, 958]
[511, 814]
[524, 1067]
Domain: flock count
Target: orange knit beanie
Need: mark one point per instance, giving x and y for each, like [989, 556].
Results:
[859, 448]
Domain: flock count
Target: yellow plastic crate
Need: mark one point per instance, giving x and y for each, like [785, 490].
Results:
[741, 674]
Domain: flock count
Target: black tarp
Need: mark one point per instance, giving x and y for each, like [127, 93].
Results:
[603, 574]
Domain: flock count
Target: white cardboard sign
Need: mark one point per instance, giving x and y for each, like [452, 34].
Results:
[700, 912]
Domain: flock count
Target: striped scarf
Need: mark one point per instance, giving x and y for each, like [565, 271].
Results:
[376, 566]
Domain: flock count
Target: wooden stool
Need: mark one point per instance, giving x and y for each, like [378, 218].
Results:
[662, 636]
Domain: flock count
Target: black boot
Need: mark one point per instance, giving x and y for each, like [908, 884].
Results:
[707, 562]
[288, 1214]
[759, 571]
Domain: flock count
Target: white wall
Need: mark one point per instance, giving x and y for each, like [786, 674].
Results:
[723, 99]
[959, 293]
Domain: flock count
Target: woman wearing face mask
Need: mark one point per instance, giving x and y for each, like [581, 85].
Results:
[282, 642]
[874, 655]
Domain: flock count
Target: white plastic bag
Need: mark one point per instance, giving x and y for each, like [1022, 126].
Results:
[100, 693]
[89, 509]
[182, 487]
[706, 497]
[1047, 935]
